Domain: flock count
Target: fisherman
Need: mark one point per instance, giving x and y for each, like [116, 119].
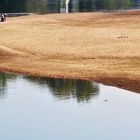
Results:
[3, 17]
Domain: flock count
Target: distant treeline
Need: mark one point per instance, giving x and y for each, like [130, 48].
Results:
[10, 6]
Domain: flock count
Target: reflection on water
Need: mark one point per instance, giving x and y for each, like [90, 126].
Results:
[57, 6]
[60, 88]
[4, 77]
[30, 110]
[63, 88]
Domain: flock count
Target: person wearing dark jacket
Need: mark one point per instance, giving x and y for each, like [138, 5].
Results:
[3, 17]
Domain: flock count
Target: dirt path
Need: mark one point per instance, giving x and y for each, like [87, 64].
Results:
[97, 46]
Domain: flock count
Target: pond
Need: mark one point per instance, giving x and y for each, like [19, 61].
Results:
[57, 6]
[33, 108]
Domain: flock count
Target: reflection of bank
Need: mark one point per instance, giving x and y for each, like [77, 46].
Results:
[4, 77]
[82, 91]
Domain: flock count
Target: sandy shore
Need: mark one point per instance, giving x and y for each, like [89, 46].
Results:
[104, 47]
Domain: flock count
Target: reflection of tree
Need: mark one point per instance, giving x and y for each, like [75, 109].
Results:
[3, 82]
[63, 89]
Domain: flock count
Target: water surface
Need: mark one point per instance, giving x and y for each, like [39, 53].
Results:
[59, 109]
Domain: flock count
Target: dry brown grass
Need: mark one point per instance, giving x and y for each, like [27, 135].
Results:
[100, 46]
